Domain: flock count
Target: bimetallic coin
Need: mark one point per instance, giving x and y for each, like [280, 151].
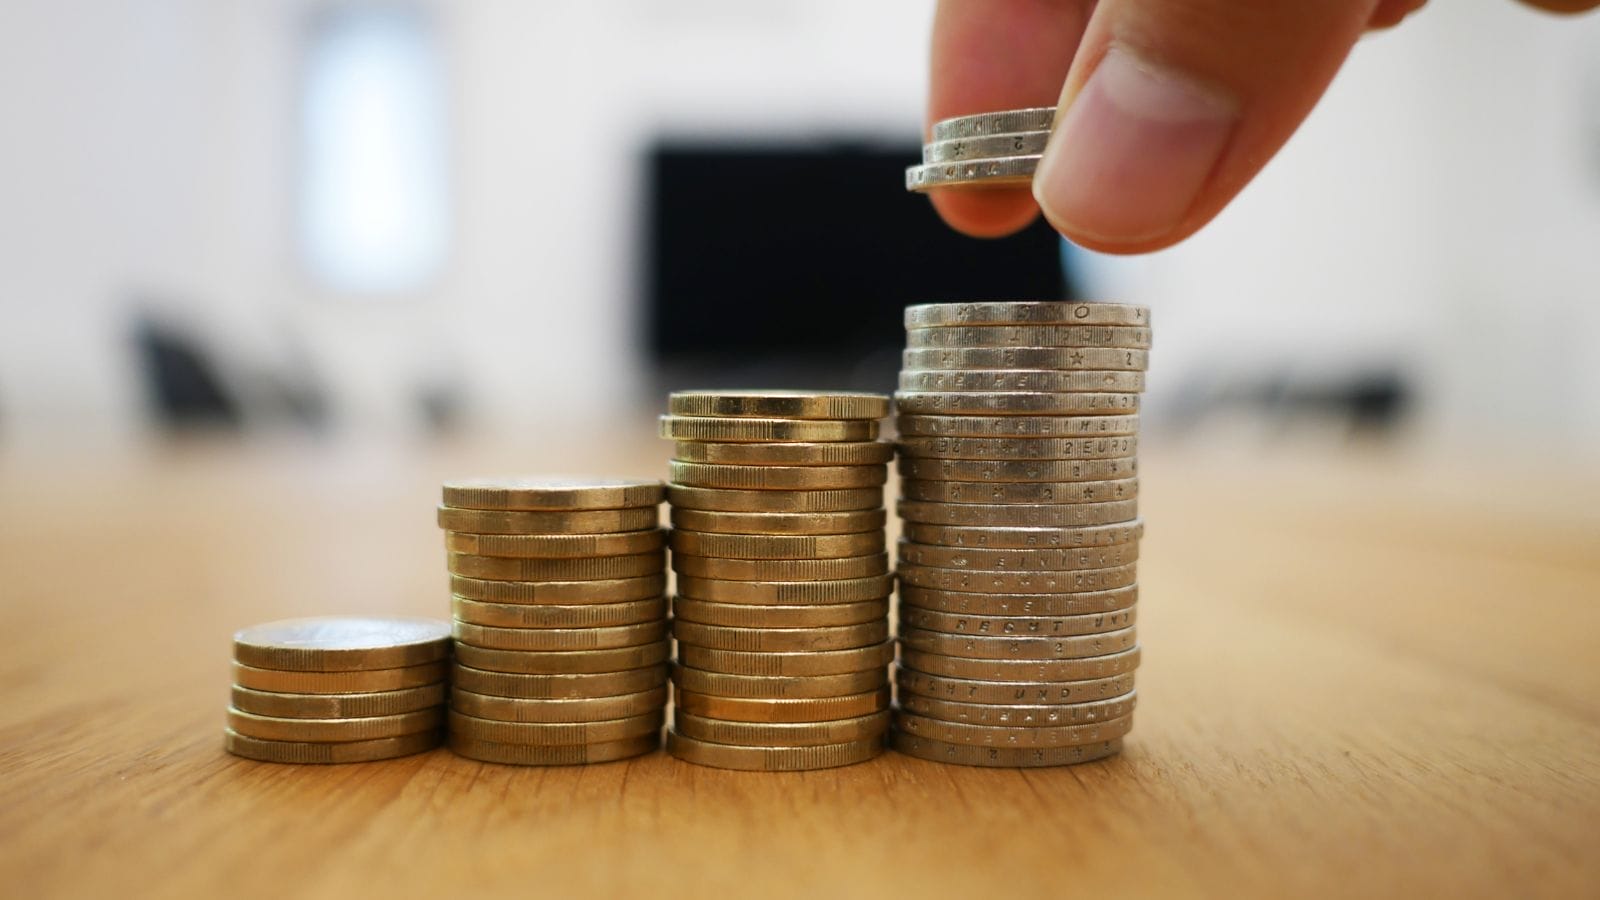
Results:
[999, 171]
[1014, 403]
[781, 523]
[1071, 581]
[714, 499]
[514, 754]
[780, 640]
[1129, 337]
[1014, 670]
[1016, 426]
[555, 640]
[596, 709]
[560, 687]
[1071, 359]
[1036, 118]
[338, 706]
[534, 615]
[609, 590]
[779, 404]
[1025, 312]
[1115, 447]
[365, 728]
[549, 734]
[364, 682]
[566, 662]
[342, 643]
[1019, 469]
[745, 615]
[814, 709]
[594, 568]
[740, 430]
[306, 753]
[556, 546]
[1018, 626]
[777, 478]
[522, 493]
[772, 759]
[1000, 736]
[1016, 715]
[786, 593]
[1038, 559]
[778, 687]
[1020, 693]
[591, 521]
[1035, 380]
[1001, 757]
[1019, 492]
[817, 662]
[1020, 143]
[781, 734]
[777, 546]
[1055, 515]
[834, 453]
[1019, 604]
[780, 569]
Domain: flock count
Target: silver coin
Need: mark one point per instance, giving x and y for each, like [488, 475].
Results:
[988, 146]
[1047, 380]
[1033, 118]
[1133, 337]
[980, 580]
[1000, 603]
[1013, 403]
[999, 171]
[1072, 359]
[989, 470]
[1025, 312]
[1058, 515]
[1019, 491]
[1100, 447]
[1015, 626]
[1017, 560]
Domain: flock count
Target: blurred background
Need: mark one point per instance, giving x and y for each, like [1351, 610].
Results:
[515, 220]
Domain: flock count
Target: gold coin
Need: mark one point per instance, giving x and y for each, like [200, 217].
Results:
[596, 709]
[304, 753]
[565, 662]
[609, 590]
[1017, 426]
[586, 521]
[779, 404]
[780, 640]
[555, 640]
[777, 478]
[1013, 736]
[548, 734]
[1019, 604]
[533, 615]
[1018, 646]
[594, 568]
[709, 521]
[1025, 312]
[521, 493]
[371, 681]
[1019, 469]
[847, 500]
[772, 759]
[815, 709]
[814, 662]
[1135, 337]
[780, 569]
[1021, 538]
[740, 430]
[781, 734]
[366, 728]
[1046, 380]
[562, 755]
[560, 687]
[786, 593]
[1113, 447]
[1016, 715]
[1020, 693]
[1019, 492]
[1019, 626]
[828, 453]
[1013, 403]
[1073, 359]
[1014, 670]
[556, 546]
[778, 687]
[1001, 757]
[980, 580]
[745, 615]
[338, 706]
[1054, 515]
[1033, 559]
[342, 643]
[776, 546]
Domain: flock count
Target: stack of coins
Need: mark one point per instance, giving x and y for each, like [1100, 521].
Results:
[338, 690]
[1018, 427]
[781, 612]
[558, 587]
[999, 149]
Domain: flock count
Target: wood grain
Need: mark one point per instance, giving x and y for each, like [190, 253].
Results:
[1373, 676]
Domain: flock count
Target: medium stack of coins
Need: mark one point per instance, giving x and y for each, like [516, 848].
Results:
[559, 594]
[999, 149]
[338, 690]
[781, 612]
[1018, 428]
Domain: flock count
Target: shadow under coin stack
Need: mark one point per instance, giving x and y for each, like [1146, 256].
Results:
[781, 612]
[1018, 428]
[558, 587]
[338, 689]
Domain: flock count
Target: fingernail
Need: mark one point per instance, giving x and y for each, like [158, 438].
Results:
[1133, 151]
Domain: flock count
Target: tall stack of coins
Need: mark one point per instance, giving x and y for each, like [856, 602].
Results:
[558, 587]
[338, 690]
[1018, 429]
[781, 613]
[998, 149]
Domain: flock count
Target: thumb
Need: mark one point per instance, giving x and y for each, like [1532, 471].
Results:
[1172, 106]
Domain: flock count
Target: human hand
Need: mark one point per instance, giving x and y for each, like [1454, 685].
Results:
[1168, 109]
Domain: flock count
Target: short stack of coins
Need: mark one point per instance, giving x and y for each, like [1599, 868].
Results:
[558, 588]
[998, 149]
[338, 689]
[1018, 426]
[781, 609]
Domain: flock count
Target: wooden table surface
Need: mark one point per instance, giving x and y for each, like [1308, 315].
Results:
[1373, 675]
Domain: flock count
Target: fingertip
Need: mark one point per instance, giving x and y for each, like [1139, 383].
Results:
[985, 213]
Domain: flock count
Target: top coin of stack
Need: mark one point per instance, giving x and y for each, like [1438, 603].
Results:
[781, 613]
[1018, 431]
[558, 590]
[999, 149]
[337, 689]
